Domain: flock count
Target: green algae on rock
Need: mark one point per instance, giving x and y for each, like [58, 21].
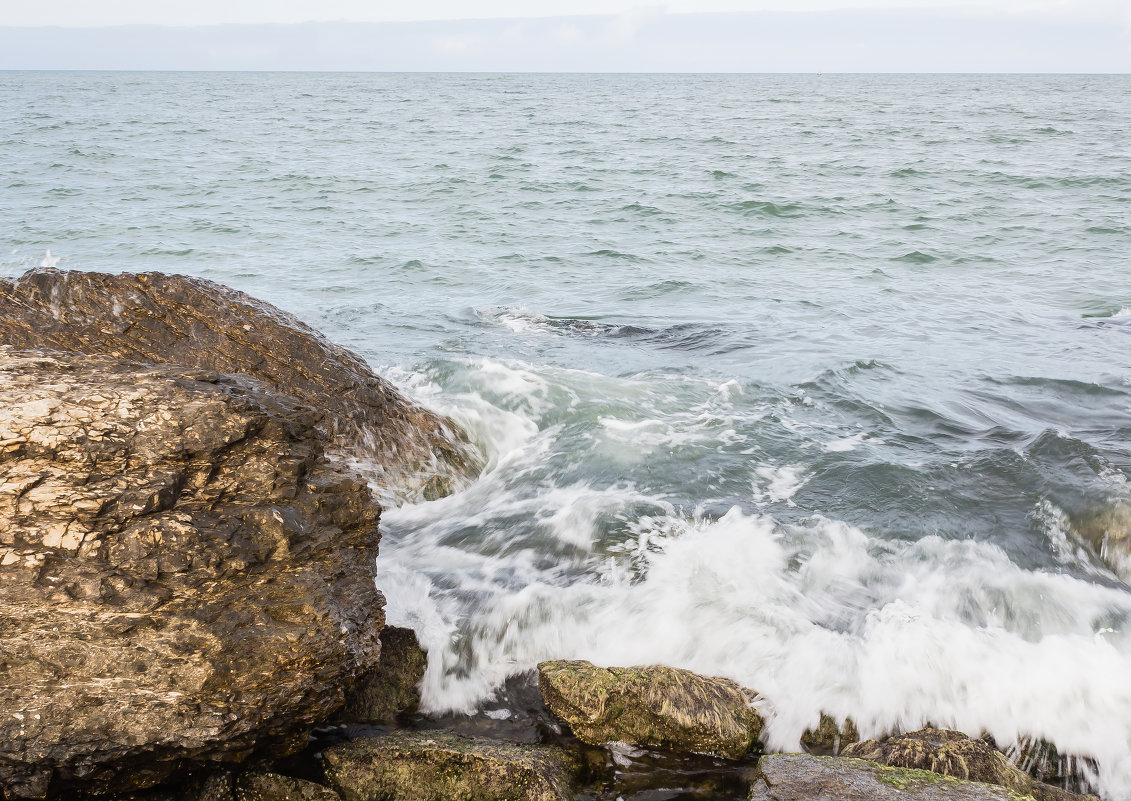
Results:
[274, 787]
[443, 766]
[953, 753]
[391, 688]
[652, 706]
[804, 777]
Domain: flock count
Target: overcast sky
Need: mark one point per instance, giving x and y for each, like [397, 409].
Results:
[571, 35]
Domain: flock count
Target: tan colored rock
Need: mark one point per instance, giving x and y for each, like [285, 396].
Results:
[652, 706]
[392, 688]
[443, 766]
[829, 737]
[185, 580]
[151, 318]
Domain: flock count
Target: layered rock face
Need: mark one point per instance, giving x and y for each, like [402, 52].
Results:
[408, 451]
[184, 579]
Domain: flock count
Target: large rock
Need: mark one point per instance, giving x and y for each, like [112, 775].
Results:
[955, 754]
[801, 777]
[408, 451]
[652, 706]
[392, 688]
[443, 766]
[184, 579]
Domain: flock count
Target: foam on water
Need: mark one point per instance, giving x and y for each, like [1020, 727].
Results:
[815, 614]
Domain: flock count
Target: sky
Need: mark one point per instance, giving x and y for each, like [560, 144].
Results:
[570, 35]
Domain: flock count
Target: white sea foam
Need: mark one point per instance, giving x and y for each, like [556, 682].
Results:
[844, 444]
[817, 616]
[777, 484]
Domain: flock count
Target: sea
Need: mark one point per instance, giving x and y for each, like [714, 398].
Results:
[818, 382]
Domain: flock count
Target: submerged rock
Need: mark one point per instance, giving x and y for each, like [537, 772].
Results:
[953, 753]
[802, 777]
[391, 688]
[184, 579]
[830, 737]
[652, 706]
[409, 451]
[1109, 534]
[442, 766]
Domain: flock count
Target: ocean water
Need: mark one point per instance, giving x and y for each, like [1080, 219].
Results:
[810, 381]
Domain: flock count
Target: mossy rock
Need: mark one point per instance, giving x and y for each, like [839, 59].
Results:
[392, 687]
[652, 706]
[443, 766]
[274, 787]
[804, 777]
[953, 753]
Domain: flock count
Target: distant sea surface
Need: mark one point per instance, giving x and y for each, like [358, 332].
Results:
[815, 382]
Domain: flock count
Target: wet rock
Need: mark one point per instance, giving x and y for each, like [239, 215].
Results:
[1108, 532]
[829, 737]
[652, 706]
[953, 753]
[150, 318]
[273, 787]
[1045, 763]
[391, 688]
[184, 579]
[442, 766]
[802, 777]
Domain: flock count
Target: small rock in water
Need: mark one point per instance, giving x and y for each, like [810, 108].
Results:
[802, 777]
[391, 688]
[829, 737]
[652, 706]
[953, 753]
[443, 766]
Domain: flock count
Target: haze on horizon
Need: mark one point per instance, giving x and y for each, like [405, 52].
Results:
[572, 35]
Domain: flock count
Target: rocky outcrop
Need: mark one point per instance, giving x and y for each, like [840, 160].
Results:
[442, 766]
[651, 706]
[184, 579]
[953, 753]
[391, 688]
[408, 451]
[801, 777]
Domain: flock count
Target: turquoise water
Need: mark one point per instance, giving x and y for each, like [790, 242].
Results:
[807, 381]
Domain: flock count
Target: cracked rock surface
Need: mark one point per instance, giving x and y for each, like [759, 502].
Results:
[408, 451]
[185, 579]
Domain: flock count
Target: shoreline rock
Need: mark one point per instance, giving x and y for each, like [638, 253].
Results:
[652, 706]
[952, 753]
[410, 452]
[803, 777]
[185, 580]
